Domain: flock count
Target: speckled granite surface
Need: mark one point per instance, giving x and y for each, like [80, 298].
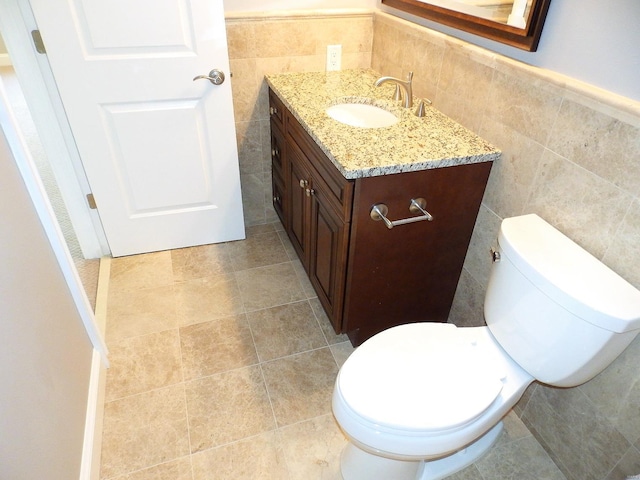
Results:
[414, 143]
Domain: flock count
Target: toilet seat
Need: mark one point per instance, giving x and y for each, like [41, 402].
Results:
[422, 377]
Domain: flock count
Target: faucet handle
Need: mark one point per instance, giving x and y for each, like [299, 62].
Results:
[421, 107]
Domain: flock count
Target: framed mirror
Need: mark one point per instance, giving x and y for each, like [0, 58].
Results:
[514, 22]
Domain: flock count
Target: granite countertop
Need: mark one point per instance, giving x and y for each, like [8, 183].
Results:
[433, 141]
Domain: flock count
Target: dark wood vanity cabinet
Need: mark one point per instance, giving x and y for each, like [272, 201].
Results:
[368, 277]
[313, 201]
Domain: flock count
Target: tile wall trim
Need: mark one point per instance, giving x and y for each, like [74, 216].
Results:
[280, 15]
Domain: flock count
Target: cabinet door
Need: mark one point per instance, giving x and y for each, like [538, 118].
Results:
[328, 249]
[298, 177]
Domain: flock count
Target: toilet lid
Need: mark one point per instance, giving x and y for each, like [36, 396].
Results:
[420, 377]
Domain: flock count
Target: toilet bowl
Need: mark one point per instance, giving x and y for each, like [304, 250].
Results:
[424, 400]
[423, 391]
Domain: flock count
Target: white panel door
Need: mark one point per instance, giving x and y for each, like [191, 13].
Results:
[159, 148]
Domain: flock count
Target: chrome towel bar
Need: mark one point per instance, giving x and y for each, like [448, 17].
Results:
[380, 211]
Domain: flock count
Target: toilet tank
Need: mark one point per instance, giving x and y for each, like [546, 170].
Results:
[561, 314]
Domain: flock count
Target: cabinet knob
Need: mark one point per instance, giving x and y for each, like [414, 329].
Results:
[273, 110]
[275, 152]
[310, 192]
[276, 199]
[303, 183]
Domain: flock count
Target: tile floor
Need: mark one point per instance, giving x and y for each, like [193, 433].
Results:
[222, 367]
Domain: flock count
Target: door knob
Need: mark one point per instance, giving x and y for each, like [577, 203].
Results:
[215, 76]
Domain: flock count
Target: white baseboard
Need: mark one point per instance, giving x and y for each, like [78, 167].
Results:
[90, 466]
[5, 61]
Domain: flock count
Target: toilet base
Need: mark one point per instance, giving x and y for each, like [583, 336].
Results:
[356, 464]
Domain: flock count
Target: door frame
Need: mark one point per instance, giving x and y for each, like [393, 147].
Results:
[36, 80]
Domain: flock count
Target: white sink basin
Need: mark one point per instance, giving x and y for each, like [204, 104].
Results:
[362, 115]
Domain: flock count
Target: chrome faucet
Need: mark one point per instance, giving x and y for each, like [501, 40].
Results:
[405, 85]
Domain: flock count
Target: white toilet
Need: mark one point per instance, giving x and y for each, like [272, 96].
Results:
[424, 400]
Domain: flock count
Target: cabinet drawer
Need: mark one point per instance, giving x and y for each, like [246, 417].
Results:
[276, 110]
[340, 189]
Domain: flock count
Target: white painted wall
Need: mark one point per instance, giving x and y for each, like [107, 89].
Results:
[45, 353]
[594, 41]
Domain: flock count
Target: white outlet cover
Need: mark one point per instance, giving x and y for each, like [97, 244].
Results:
[334, 57]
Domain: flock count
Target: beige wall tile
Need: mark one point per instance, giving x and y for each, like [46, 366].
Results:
[513, 175]
[241, 40]
[529, 106]
[601, 144]
[258, 46]
[463, 88]
[575, 200]
[624, 250]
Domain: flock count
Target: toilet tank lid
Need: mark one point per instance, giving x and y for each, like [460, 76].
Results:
[570, 275]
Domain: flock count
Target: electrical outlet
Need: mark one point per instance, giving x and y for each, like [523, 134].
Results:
[334, 57]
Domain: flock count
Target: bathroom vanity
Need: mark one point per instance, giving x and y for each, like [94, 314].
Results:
[426, 177]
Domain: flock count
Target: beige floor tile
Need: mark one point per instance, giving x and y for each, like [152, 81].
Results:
[140, 311]
[207, 299]
[141, 271]
[325, 323]
[144, 430]
[256, 458]
[307, 287]
[257, 251]
[260, 229]
[175, 470]
[202, 261]
[285, 330]
[227, 407]
[269, 286]
[227, 416]
[341, 352]
[300, 386]
[312, 448]
[288, 246]
[144, 363]
[216, 346]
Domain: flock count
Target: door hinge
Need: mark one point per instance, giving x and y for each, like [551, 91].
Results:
[37, 41]
[91, 201]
